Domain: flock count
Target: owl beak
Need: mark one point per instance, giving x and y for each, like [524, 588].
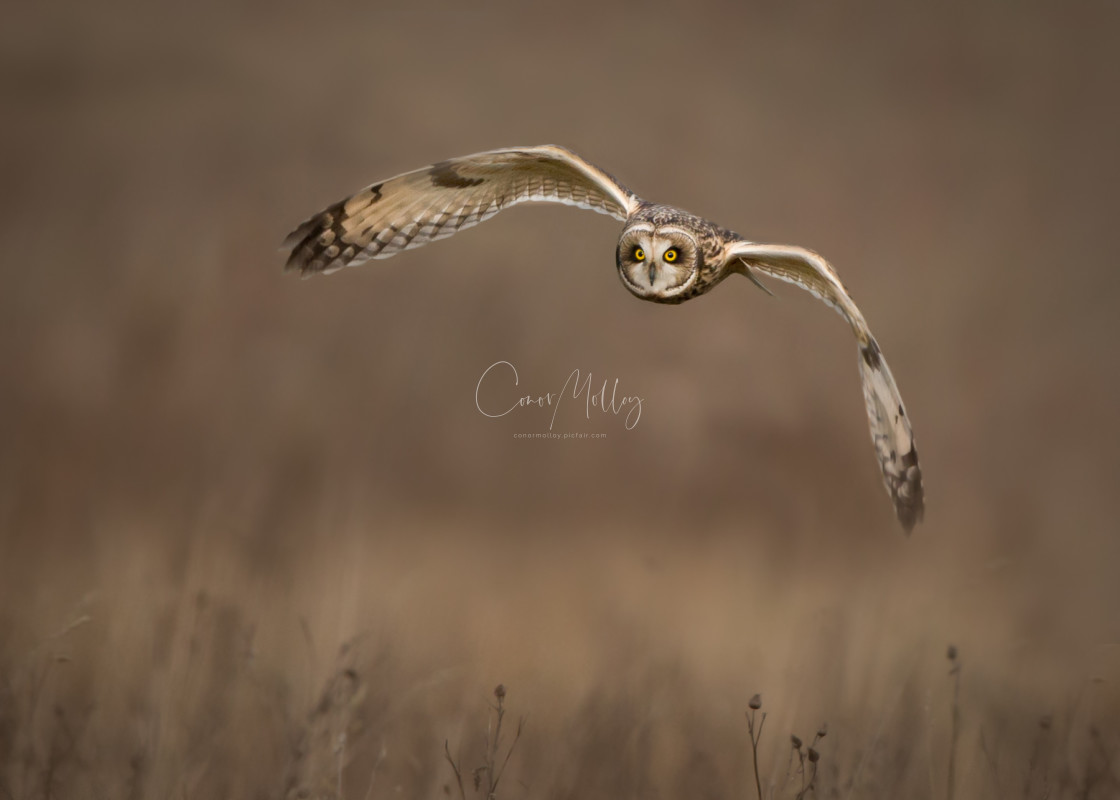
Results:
[652, 273]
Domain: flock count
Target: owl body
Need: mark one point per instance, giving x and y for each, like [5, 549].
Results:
[664, 255]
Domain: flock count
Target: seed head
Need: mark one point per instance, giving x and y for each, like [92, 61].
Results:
[951, 654]
[756, 702]
[795, 740]
[814, 756]
[500, 691]
[822, 731]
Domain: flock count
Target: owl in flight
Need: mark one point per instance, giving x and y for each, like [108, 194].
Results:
[664, 255]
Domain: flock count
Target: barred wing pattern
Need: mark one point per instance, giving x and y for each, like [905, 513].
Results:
[890, 426]
[440, 200]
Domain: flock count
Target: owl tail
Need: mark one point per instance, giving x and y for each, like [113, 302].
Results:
[892, 436]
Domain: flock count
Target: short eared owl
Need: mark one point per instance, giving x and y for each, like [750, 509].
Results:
[664, 254]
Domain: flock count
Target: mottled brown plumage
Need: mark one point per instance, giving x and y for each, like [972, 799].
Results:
[664, 255]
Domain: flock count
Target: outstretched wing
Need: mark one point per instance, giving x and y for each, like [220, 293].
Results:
[437, 201]
[890, 425]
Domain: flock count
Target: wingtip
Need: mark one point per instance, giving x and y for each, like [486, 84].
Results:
[299, 261]
[294, 238]
[297, 258]
[909, 518]
[305, 256]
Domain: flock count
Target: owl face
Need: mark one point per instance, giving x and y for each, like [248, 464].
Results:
[658, 263]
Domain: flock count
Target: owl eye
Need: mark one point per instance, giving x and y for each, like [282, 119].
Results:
[671, 254]
[639, 254]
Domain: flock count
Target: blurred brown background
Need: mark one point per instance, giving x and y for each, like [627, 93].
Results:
[242, 514]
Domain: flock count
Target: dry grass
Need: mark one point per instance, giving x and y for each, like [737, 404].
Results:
[153, 689]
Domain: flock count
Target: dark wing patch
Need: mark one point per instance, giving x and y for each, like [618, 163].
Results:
[871, 353]
[445, 177]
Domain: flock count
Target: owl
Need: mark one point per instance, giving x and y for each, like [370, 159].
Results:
[664, 255]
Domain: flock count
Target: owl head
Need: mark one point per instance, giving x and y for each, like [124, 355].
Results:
[658, 263]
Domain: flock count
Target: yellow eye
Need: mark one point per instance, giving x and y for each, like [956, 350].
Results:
[671, 254]
[639, 254]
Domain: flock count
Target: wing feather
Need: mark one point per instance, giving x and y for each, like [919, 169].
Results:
[891, 432]
[442, 199]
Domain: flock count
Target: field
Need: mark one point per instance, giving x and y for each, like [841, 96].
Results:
[256, 539]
